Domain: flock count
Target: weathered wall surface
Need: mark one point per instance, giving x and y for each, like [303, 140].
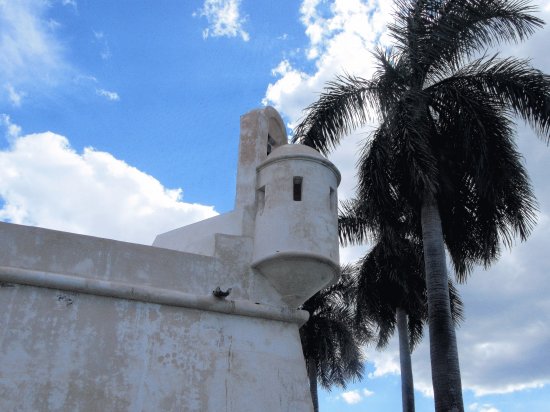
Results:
[64, 351]
[129, 263]
[90, 324]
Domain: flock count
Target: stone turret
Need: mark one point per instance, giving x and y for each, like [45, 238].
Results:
[286, 204]
[296, 230]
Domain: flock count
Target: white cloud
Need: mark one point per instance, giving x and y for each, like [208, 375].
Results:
[384, 362]
[476, 407]
[85, 79]
[355, 396]
[33, 57]
[12, 130]
[14, 96]
[504, 341]
[44, 182]
[29, 50]
[367, 393]
[100, 38]
[71, 3]
[224, 19]
[352, 397]
[109, 95]
[340, 39]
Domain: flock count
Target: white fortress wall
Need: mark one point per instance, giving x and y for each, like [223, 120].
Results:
[93, 324]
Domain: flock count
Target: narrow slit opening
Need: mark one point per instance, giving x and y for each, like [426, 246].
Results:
[332, 199]
[260, 199]
[270, 144]
[297, 188]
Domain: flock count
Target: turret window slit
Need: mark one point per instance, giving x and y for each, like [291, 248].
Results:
[260, 199]
[270, 144]
[297, 188]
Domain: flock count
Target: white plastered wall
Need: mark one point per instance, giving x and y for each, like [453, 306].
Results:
[95, 324]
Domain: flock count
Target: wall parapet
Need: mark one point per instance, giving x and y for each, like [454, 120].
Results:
[149, 294]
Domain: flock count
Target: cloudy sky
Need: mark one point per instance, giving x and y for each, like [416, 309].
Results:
[120, 119]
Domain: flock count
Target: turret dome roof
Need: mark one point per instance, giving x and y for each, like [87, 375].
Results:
[298, 151]
[291, 150]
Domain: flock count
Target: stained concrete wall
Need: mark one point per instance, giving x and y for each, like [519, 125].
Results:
[69, 348]
[65, 351]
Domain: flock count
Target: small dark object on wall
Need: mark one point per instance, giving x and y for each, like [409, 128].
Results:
[220, 293]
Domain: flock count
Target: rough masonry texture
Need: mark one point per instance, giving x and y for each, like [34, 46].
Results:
[91, 324]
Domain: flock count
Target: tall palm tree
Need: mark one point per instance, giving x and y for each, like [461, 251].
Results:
[331, 344]
[443, 152]
[391, 293]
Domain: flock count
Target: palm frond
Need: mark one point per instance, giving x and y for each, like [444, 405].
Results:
[341, 108]
[389, 277]
[460, 29]
[457, 307]
[378, 196]
[329, 338]
[416, 328]
[353, 229]
[485, 195]
[512, 82]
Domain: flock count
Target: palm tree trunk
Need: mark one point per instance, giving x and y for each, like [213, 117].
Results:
[312, 374]
[407, 386]
[443, 349]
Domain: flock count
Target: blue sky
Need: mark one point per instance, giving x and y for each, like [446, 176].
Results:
[120, 119]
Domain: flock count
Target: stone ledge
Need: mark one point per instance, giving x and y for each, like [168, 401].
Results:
[149, 294]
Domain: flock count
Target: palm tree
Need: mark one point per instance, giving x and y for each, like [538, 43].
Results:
[391, 293]
[331, 344]
[443, 153]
